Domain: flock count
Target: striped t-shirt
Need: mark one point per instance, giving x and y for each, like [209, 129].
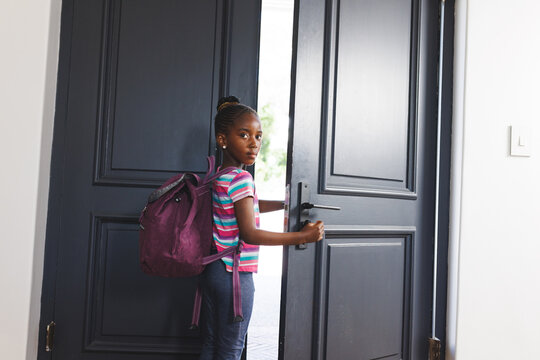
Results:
[227, 189]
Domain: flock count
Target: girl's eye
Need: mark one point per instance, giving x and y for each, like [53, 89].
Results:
[243, 135]
[258, 137]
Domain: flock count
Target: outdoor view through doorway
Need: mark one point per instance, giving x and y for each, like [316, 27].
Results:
[273, 108]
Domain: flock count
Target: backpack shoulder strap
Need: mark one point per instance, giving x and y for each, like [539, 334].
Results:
[211, 163]
[237, 290]
[219, 173]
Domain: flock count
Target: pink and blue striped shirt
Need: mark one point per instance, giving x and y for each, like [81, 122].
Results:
[226, 190]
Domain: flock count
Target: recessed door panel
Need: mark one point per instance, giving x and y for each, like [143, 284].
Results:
[119, 293]
[372, 89]
[370, 123]
[157, 88]
[365, 300]
[158, 102]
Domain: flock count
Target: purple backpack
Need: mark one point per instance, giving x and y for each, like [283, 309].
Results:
[175, 236]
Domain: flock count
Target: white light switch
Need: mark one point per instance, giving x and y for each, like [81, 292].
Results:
[520, 144]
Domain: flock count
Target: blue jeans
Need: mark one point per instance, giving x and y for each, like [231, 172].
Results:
[224, 339]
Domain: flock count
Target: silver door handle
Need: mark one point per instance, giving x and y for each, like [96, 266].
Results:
[307, 205]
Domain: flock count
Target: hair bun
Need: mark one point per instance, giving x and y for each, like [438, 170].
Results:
[227, 101]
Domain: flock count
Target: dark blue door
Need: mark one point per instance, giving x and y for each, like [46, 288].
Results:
[363, 138]
[138, 84]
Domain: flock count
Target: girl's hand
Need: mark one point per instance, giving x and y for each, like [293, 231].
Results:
[313, 231]
[243, 209]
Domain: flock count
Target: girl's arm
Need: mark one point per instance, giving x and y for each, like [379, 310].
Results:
[245, 217]
[270, 205]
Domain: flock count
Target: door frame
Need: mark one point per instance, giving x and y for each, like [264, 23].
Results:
[56, 183]
[445, 174]
[444, 171]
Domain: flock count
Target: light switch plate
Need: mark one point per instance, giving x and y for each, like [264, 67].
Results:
[520, 140]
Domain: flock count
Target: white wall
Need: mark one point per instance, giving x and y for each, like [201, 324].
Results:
[497, 303]
[29, 38]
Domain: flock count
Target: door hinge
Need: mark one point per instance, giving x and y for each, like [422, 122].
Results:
[434, 349]
[49, 341]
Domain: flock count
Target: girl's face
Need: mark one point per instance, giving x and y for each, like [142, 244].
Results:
[243, 141]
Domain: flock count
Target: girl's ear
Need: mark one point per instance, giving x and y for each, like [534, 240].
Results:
[221, 140]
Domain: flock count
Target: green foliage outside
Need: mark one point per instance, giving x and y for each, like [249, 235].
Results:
[271, 163]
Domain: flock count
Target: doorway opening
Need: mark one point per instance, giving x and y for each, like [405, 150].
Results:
[273, 108]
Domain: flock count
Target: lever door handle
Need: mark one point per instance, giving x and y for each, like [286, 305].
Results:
[307, 205]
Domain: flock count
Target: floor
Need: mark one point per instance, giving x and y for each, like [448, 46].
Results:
[264, 325]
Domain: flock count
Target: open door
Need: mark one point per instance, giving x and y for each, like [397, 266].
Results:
[362, 138]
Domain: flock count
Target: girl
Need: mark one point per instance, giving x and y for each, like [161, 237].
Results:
[236, 216]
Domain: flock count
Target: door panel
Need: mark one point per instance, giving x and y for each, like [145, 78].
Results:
[367, 309]
[371, 65]
[363, 136]
[369, 71]
[146, 52]
[138, 85]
